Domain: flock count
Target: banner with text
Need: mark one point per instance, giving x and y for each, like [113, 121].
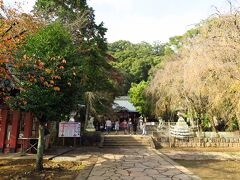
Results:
[69, 129]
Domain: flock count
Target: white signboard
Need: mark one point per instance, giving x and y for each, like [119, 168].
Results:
[150, 123]
[69, 129]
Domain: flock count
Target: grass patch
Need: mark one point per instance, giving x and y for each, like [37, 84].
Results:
[213, 169]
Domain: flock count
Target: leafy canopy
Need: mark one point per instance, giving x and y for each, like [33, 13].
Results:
[138, 97]
[135, 60]
[47, 73]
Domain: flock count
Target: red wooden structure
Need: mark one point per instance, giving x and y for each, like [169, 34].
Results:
[15, 125]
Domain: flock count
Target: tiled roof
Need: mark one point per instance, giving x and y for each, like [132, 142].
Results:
[123, 103]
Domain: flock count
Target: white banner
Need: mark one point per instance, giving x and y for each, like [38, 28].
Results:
[150, 123]
[69, 129]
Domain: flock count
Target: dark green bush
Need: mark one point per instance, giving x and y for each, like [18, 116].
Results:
[91, 138]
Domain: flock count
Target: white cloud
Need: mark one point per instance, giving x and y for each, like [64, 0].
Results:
[27, 6]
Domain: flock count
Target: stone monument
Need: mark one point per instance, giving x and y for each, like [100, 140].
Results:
[181, 129]
[160, 123]
[90, 126]
[72, 116]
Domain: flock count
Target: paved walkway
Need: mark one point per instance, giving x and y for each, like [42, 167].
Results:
[122, 164]
[139, 164]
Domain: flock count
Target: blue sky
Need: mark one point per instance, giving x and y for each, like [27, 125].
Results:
[149, 20]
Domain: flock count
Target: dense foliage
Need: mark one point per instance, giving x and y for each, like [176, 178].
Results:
[135, 60]
[54, 61]
[58, 65]
[202, 77]
[98, 77]
[138, 97]
[14, 28]
[47, 70]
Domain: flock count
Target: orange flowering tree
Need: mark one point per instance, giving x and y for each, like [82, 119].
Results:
[14, 27]
[58, 64]
[47, 68]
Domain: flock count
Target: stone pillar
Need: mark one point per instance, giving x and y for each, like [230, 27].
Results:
[3, 128]
[14, 131]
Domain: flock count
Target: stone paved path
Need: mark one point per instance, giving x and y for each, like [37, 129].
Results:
[137, 164]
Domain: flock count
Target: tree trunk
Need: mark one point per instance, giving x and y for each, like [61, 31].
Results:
[40, 148]
[238, 121]
[86, 117]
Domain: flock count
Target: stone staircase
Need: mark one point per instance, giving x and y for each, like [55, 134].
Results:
[127, 141]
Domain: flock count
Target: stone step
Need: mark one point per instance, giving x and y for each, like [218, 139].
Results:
[127, 147]
[121, 144]
[127, 143]
[125, 140]
[128, 137]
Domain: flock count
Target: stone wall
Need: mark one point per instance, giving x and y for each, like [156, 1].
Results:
[206, 142]
[223, 139]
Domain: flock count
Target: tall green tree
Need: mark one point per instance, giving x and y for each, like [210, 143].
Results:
[135, 60]
[79, 19]
[48, 72]
[139, 98]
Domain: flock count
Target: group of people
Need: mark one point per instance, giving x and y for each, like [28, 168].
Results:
[129, 127]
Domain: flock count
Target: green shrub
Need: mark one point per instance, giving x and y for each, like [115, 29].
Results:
[91, 138]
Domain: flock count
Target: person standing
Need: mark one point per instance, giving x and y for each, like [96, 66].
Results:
[102, 126]
[125, 125]
[108, 126]
[144, 128]
[117, 126]
[140, 122]
[134, 126]
[130, 126]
